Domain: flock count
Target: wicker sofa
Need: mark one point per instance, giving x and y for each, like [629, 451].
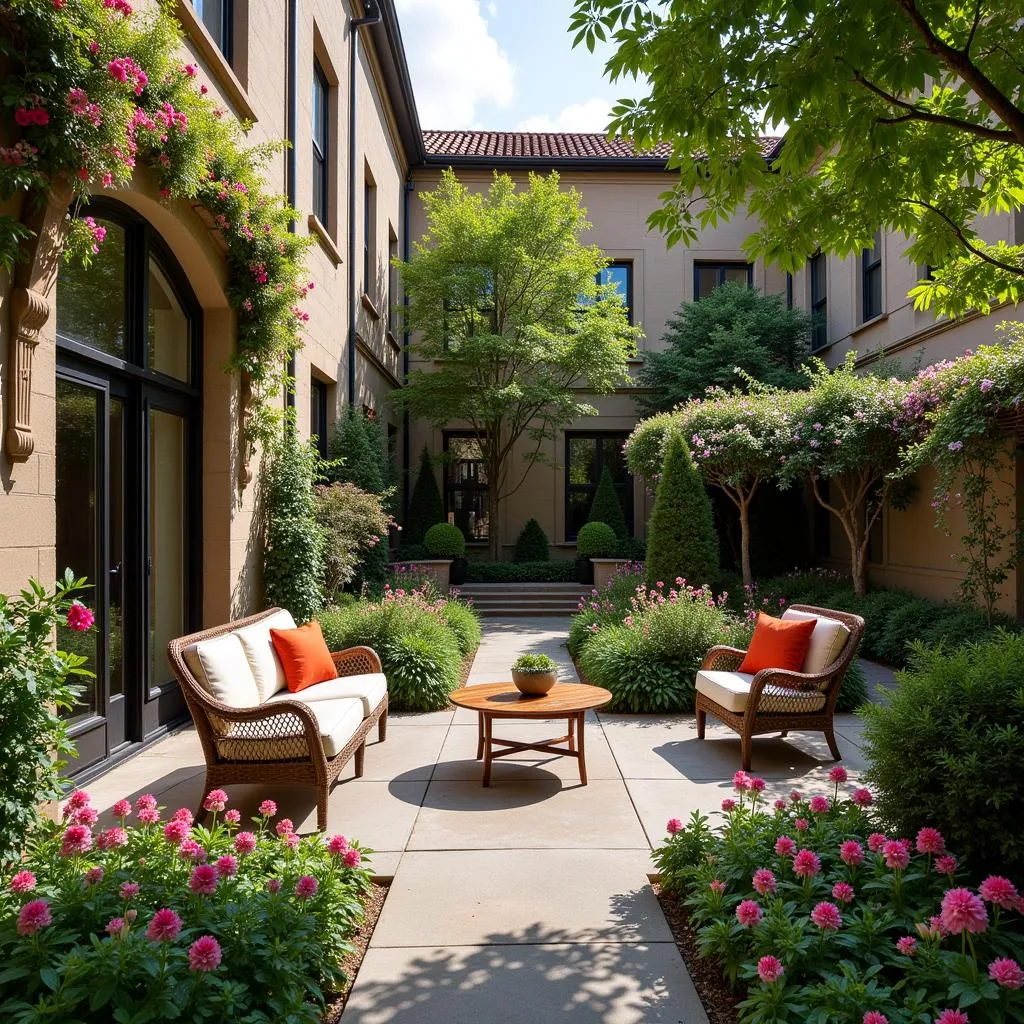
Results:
[254, 730]
[775, 700]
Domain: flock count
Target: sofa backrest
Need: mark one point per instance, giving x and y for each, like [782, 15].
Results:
[827, 641]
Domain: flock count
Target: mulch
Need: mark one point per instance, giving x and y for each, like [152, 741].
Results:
[361, 940]
[719, 1002]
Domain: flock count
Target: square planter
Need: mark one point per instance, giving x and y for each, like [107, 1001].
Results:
[438, 569]
[605, 569]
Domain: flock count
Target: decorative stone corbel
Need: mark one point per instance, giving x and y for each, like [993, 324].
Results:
[29, 305]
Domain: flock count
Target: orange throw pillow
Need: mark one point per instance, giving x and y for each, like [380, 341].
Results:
[778, 643]
[304, 655]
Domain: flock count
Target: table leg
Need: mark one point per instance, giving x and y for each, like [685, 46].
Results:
[479, 735]
[579, 745]
[488, 723]
[572, 739]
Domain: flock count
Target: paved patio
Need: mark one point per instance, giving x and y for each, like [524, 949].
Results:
[529, 900]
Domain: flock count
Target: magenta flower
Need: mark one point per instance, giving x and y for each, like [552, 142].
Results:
[23, 881]
[907, 945]
[284, 827]
[273, 885]
[929, 840]
[862, 797]
[146, 802]
[838, 774]
[77, 839]
[122, 809]
[183, 814]
[84, 816]
[93, 876]
[352, 858]
[741, 782]
[76, 801]
[757, 784]
[876, 841]
[164, 926]
[806, 864]
[728, 805]
[80, 618]
[874, 1017]
[234, 816]
[245, 842]
[129, 890]
[945, 865]
[116, 926]
[819, 805]
[842, 892]
[204, 880]
[827, 917]
[227, 866]
[784, 846]
[1006, 973]
[306, 887]
[998, 890]
[204, 954]
[952, 1017]
[780, 805]
[717, 886]
[291, 840]
[852, 853]
[896, 855]
[176, 832]
[148, 816]
[770, 969]
[963, 911]
[191, 850]
[801, 824]
[113, 839]
[748, 913]
[764, 882]
[34, 917]
[795, 796]
[673, 826]
[216, 800]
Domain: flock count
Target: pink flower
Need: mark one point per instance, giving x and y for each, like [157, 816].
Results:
[827, 917]
[122, 809]
[93, 875]
[770, 969]
[77, 839]
[234, 816]
[204, 954]
[929, 840]
[116, 926]
[291, 840]
[819, 805]
[176, 832]
[952, 1017]
[851, 852]
[795, 796]
[838, 774]
[757, 784]
[963, 911]
[352, 858]
[284, 826]
[146, 802]
[23, 881]
[84, 816]
[801, 824]
[148, 816]
[728, 805]
[748, 913]
[998, 890]
[717, 886]
[34, 917]
[339, 844]
[245, 842]
[784, 846]
[76, 801]
[806, 864]
[842, 892]
[764, 882]
[113, 839]
[204, 880]
[129, 890]
[874, 1017]
[673, 826]
[741, 782]
[216, 800]
[306, 887]
[876, 841]
[79, 617]
[164, 926]
[862, 797]
[907, 945]
[896, 855]
[1006, 972]
[946, 864]
[183, 814]
[191, 850]
[780, 805]
[273, 885]
[227, 866]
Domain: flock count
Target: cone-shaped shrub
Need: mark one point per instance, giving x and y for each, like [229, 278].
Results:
[681, 538]
[531, 544]
[355, 442]
[425, 505]
[606, 507]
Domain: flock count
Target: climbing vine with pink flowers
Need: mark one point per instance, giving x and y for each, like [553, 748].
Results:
[94, 90]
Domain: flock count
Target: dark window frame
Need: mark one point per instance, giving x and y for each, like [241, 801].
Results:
[722, 266]
[450, 486]
[321, 146]
[227, 26]
[626, 265]
[318, 405]
[391, 303]
[818, 302]
[628, 487]
[870, 268]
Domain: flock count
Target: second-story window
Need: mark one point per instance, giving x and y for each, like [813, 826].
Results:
[216, 16]
[369, 236]
[321, 134]
[708, 276]
[393, 297]
[871, 278]
[817, 269]
[620, 274]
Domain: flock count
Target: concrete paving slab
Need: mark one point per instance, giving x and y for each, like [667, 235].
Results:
[599, 983]
[410, 753]
[384, 865]
[420, 717]
[455, 898]
[548, 814]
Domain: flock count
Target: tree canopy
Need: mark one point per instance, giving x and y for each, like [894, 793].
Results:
[902, 114]
[506, 308]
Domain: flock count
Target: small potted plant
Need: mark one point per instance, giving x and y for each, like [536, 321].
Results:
[445, 544]
[595, 540]
[534, 674]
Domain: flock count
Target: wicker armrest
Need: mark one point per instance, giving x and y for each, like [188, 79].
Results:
[774, 678]
[722, 658]
[257, 723]
[355, 661]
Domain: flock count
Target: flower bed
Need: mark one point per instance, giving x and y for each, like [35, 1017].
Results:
[162, 920]
[823, 918]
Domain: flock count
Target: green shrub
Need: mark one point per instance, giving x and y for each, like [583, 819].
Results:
[425, 504]
[953, 626]
[356, 451]
[580, 632]
[558, 571]
[905, 625]
[632, 548]
[606, 507]
[410, 552]
[946, 747]
[354, 524]
[293, 555]
[596, 540]
[464, 623]
[681, 539]
[531, 544]
[876, 607]
[854, 690]
[422, 667]
[443, 540]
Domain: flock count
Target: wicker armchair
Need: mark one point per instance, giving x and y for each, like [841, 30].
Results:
[272, 742]
[783, 700]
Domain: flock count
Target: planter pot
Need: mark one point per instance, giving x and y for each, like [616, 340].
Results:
[438, 569]
[458, 572]
[605, 569]
[584, 572]
[536, 684]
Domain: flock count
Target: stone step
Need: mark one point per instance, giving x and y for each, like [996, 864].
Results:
[520, 600]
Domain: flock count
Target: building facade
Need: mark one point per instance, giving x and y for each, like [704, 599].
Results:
[131, 467]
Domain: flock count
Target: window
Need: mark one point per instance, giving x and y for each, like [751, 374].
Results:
[392, 297]
[818, 269]
[620, 274]
[321, 134]
[470, 306]
[465, 486]
[318, 415]
[216, 16]
[708, 276]
[369, 235]
[871, 278]
[586, 456]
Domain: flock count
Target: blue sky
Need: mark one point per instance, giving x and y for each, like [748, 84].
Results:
[504, 65]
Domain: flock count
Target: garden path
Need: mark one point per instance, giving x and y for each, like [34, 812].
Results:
[530, 900]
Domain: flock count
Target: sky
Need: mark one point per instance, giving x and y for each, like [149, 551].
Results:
[506, 65]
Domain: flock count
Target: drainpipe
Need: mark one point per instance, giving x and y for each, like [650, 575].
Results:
[290, 133]
[373, 17]
[410, 187]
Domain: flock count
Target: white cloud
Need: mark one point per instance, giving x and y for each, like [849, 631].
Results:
[455, 63]
[591, 116]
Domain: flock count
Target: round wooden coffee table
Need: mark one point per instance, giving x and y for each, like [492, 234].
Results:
[570, 701]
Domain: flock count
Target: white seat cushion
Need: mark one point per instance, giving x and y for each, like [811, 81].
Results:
[223, 670]
[732, 690]
[284, 739]
[370, 688]
[827, 640]
[259, 650]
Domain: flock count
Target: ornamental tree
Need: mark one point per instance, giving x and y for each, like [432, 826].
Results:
[606, 507]
[425, 505]
[902, 114]
[504, 300]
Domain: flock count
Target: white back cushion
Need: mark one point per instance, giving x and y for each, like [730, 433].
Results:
[827, 640]
[259, 652]
[226, 673]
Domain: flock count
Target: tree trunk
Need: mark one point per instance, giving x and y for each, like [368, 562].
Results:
[493, 520]
[748, 575]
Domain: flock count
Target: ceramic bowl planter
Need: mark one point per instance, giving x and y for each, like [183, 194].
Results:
[534, 674]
